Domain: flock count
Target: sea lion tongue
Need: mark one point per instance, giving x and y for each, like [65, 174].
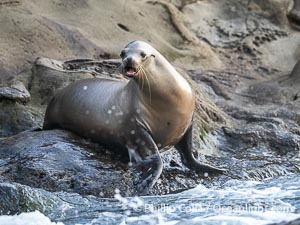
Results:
[130, 72]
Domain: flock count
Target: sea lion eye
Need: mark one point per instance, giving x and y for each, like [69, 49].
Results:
[122, 54]
[143, 54]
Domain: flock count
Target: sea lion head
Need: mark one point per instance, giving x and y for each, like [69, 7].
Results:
[134, 56]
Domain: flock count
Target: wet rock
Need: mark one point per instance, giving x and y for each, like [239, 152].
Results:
[16, 198]
[57, 160]
[68, 208]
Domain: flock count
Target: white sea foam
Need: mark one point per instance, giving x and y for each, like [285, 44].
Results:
[29, 218]
[234, 203]
[260, 219]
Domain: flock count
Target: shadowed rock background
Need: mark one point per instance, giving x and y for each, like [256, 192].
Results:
[239, 55]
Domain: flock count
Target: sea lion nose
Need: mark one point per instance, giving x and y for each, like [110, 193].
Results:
[131, 61]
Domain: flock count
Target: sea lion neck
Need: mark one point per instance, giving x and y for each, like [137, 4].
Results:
[159, 80]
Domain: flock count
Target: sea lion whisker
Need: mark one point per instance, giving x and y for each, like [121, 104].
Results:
[143, 79]
[138, 73]
[149, 86]
[150, 75]
[146, 74]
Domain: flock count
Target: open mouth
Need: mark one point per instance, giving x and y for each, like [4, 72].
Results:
[130, 71]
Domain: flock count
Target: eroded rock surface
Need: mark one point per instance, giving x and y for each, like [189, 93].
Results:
[59, 161]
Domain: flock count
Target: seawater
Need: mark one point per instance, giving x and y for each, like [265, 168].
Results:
[234, 203]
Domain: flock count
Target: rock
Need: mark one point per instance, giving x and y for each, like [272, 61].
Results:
[293, 80]
[294, 15]
[263, 140]
[263, 93]
[16, 198]
[16, 117]
[58, 160]
[48, 76]
[15, 92]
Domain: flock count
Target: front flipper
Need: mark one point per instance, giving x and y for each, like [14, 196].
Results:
[185, 149]
[146, 162]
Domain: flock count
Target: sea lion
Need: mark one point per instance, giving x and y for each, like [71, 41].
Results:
[152, 110]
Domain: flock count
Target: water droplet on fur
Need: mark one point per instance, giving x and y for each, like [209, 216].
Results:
[205, 174]
[113, 107]
[132, 131]
[87, 112]
[85, 87]
[109, 111]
